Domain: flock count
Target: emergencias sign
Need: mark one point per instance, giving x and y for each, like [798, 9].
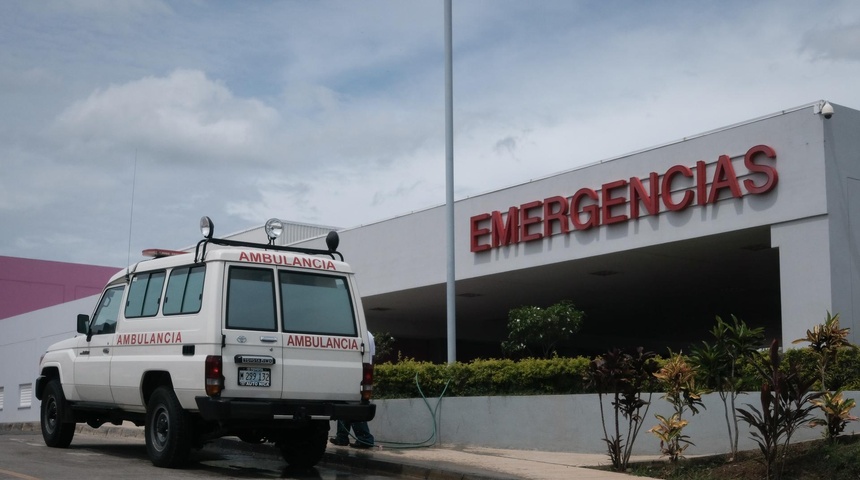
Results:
[621, 200]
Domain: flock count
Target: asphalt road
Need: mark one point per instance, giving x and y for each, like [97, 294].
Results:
[23, 455]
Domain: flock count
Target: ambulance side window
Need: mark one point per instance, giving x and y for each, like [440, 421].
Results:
[184, 290]
[314, 303]
[251, 299]
[104, 320]
[144, 295]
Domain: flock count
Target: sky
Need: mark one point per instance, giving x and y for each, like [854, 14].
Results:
[122, 122]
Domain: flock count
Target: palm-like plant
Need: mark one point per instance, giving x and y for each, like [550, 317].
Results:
[626, 376]
[786, 403]
[719, 366]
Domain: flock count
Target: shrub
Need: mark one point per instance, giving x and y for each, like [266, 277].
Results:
[537, 331]
[530, 376]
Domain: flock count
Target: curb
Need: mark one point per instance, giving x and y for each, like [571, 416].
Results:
[20, 427]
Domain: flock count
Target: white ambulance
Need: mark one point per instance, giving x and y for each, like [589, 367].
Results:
[259, 341]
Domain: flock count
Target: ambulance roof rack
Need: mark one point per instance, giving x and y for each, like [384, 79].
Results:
[274, 228]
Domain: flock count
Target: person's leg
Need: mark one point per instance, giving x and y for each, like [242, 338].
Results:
[363, 438]
[342, 436]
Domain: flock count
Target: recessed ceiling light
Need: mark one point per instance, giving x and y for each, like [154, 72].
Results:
[604, 273]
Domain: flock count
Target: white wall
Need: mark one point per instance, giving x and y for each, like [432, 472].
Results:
[805, 277]
[559, 423]
[842, 148]
[25, 338]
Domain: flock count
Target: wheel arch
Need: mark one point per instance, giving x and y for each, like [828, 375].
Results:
[152, 380]
[48, 373]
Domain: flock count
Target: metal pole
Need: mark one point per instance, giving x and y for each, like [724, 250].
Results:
[449, 187]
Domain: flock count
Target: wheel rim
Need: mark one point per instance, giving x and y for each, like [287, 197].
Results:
[160, 428]
[51, 415]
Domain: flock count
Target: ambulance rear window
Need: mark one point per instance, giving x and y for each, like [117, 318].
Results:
[251, 299]
[316, 304]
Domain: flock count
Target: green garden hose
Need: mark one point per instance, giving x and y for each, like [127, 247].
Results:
[431, 440]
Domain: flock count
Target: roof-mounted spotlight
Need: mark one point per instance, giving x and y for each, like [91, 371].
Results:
[332, 240]
[274, 229]
[207, 228]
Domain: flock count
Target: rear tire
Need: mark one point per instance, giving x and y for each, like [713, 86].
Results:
[57, 434]
[168, 430]
[305, 447]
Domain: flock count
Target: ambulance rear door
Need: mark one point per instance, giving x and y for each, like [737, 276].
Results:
[252, 345]
[322, 336]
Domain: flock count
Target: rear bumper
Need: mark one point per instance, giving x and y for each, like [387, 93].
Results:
[228, 409]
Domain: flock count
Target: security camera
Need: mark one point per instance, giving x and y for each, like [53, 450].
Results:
[827, 110]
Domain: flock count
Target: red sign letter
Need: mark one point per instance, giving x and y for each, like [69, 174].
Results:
[608, 201]
[591, 209]
[476, 232]
[506, 232]
[724, 177]
[637, 193]
[527, 220]
[550, 215]
[667, 188]
[768, 170]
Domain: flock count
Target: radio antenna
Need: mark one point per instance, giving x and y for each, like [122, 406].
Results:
[131, 214]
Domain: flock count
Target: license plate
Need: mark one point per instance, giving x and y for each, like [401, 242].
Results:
[255, 377]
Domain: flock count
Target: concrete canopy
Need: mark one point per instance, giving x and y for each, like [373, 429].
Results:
[769, 234]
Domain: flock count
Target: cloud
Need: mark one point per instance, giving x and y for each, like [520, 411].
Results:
[333, 113]
[184, 114]
[833, 43]
[506, 145]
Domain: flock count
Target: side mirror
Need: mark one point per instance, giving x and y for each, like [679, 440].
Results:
[83, 323]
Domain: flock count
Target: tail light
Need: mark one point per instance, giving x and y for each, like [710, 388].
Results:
[214, 379]
[367, 382]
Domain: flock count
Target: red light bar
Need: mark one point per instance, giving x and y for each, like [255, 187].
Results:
[160, 252]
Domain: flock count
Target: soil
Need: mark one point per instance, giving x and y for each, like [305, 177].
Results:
[814, 460]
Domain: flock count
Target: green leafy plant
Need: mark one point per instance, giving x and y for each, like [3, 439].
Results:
[626, 377]
[673, 442]
[837, 413]
[537, 331]
[826, 340]
[384, 343]
[678, 379]
[786, 403]
[720, 366]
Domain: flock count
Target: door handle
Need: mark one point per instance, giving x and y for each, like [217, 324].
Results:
[268, 339]
[105, 350]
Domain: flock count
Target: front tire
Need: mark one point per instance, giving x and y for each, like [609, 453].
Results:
[305, 447]
[168, 430]
[57, 434]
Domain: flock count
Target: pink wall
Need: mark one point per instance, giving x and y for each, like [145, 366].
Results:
[27, 285]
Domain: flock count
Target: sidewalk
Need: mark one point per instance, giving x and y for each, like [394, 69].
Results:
[476, 463]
